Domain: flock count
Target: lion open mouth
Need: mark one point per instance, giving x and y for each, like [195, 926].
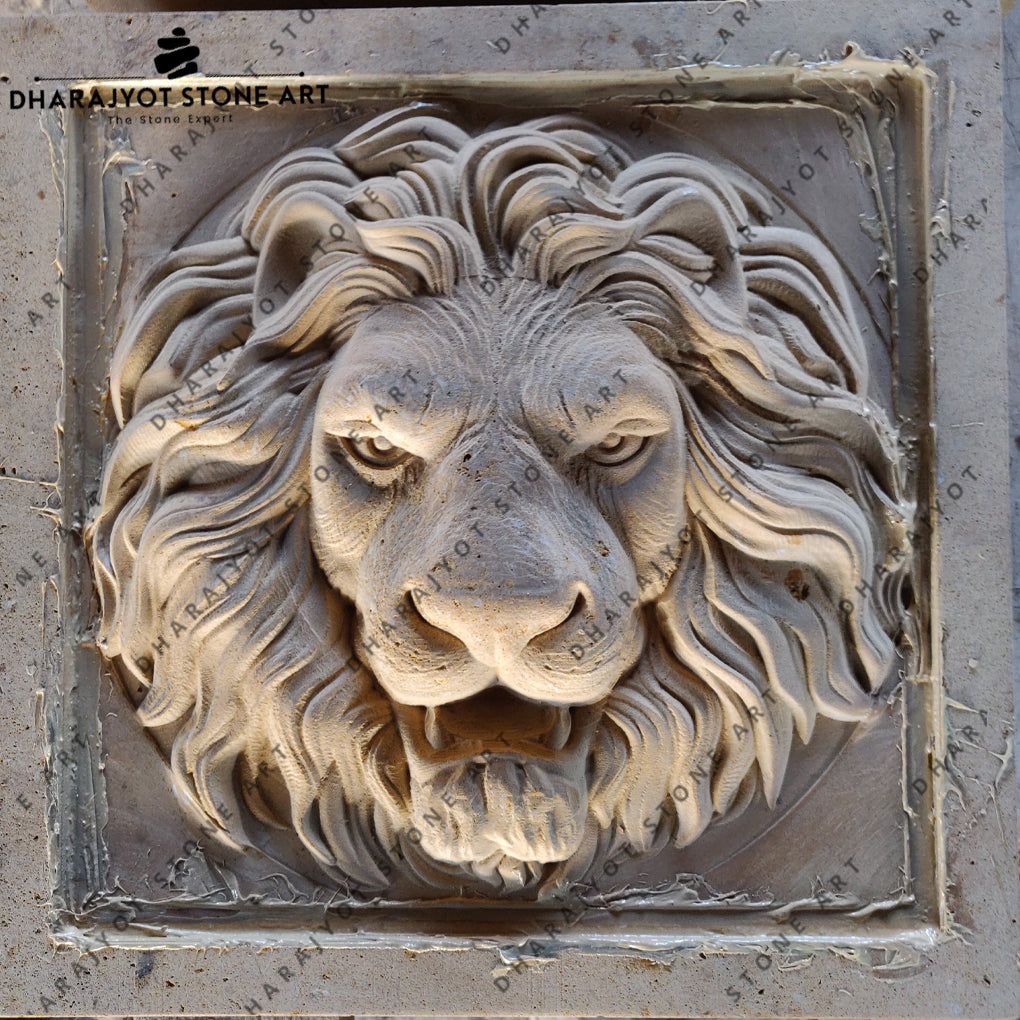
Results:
[495, 723]
[496, 772]
[497, 718]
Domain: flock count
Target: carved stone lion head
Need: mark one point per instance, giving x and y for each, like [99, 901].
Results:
[473, 492]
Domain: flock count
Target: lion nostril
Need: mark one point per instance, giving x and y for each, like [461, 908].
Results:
[579, 606]
[440, 637]
[413, 612]
[409, 609]
[496, 627]
[577, 611]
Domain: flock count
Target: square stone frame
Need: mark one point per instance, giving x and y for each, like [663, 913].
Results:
[962, 962]
[892, 901]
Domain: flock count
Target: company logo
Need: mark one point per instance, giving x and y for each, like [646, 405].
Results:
[179, 59]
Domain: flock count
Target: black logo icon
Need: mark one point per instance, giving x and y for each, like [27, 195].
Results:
[180, 60]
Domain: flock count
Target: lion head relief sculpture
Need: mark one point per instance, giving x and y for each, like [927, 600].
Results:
[473, 491]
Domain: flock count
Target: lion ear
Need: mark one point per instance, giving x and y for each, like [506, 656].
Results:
[194, 306]
[799, 297]
[290, 233]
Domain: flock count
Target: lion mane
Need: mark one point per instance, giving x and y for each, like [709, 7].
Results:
[789, 590]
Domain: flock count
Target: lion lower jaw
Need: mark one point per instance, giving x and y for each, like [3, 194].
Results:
[508, 813]
[502, 812]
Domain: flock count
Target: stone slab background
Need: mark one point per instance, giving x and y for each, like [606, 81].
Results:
[1011, 73]
[1011, 139]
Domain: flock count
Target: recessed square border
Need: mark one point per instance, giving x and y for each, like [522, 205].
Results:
[888, 105]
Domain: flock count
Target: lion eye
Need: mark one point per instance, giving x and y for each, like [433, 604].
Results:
[617, 449]
[374, 451]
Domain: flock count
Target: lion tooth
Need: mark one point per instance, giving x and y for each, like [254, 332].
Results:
[560, 732]
[433, 730]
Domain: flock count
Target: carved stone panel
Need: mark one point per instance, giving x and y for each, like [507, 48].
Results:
[508, 504]
[523, 531]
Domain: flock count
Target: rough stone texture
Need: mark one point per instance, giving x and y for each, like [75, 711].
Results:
[1011, 118]
[958, 979]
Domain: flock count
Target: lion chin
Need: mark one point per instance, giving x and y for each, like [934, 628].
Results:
[457, 539]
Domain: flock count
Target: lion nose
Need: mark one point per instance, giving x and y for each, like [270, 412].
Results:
[504, 623]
